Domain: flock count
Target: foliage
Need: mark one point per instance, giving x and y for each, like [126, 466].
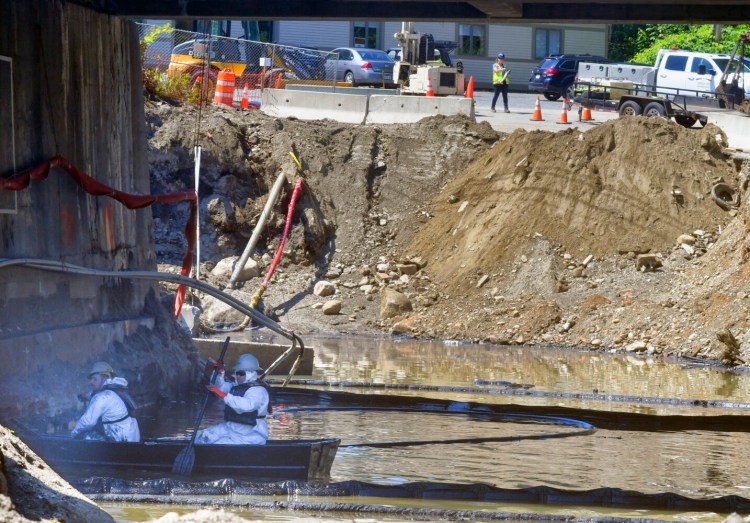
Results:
[623, 42]
[157, 82]
[699, 38]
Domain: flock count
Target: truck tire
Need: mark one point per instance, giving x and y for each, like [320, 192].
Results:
[725, 196]
[630, 108]
[654, 109]
[551, 96]
[684, 121]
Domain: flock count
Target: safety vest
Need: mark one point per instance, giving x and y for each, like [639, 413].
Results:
[497, 75]
[246, 418]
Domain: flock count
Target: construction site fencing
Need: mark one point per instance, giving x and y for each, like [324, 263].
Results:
[187, 65]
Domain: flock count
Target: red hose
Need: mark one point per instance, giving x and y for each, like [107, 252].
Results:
[287, 226]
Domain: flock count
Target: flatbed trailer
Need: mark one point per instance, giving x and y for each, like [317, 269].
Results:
[685, 107]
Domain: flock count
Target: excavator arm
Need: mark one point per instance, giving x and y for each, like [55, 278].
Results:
[729, 91]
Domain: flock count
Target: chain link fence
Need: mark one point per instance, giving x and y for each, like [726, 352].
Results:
[186, 65]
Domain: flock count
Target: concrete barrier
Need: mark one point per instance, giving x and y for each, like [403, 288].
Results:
[265, 352]
[736, 126]
[344, 90]
[310, 105]
[409, 109]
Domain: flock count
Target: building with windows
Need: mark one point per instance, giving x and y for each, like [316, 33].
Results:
[524, 45]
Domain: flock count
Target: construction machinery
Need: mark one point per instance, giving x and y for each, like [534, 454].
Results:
[732, 94]
[420, 59]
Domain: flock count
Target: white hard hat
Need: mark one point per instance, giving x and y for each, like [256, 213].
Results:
[248, 363]
[102, 367]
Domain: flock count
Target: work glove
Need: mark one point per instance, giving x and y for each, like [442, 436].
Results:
[216, 390]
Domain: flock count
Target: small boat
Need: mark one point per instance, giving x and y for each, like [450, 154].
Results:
[305, 460]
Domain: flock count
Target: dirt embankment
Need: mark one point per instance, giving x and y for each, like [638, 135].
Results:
[31, 491]
[530, 238]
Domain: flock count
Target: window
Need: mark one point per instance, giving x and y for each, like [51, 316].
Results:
[676, 63]
[365, 34]
[722, 63]
[568, 64]
[697, 62]
[547, 42]
[471, 38]
[257, 31]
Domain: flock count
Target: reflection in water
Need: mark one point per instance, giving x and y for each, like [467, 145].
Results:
[414, 362]
[697, 464]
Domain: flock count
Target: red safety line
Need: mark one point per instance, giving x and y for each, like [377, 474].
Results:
[131, 201]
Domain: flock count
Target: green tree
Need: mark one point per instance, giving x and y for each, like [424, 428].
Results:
[623, 41]
[699, 38]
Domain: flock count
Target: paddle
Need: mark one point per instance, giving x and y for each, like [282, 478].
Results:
[183, 463]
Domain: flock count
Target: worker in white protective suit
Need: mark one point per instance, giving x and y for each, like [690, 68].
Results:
[109, 415]
[246, 405]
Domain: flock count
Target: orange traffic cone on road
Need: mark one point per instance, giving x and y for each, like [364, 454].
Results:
[278, 82]
[430, 92]
[586, 115]
[470, 88]
[564, 113]
[245, 95]
[537, 115]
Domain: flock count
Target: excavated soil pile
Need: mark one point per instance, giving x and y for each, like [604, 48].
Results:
[445, 229]
[630, 185]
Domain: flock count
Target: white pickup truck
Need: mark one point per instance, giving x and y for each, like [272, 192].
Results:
[678, 85]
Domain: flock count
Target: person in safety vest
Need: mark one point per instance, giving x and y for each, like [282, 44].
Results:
[500, 81]
[246, 405]
[109, 415]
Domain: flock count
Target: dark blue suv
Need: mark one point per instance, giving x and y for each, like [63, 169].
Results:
[555, 76]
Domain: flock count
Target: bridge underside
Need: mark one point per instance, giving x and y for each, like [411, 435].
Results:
[484, 11]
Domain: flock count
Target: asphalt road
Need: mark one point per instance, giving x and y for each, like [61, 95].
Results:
[521, 107]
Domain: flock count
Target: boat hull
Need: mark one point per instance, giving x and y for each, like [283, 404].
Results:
[276, 460]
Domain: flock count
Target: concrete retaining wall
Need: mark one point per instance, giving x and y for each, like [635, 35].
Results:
[307, 105]
[77, 92]
[409, 109]
[265, 352]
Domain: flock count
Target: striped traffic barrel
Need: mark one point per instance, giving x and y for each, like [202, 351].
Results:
[224, 88]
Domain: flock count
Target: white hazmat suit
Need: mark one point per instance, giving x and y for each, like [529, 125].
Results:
[233, 433]
[109, 407]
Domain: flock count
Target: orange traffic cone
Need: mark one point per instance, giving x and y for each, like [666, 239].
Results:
[586, 115]
[564, 113]
[245, 95]
[470, 88]
[537, 115]
[430, 92]
[278, 82]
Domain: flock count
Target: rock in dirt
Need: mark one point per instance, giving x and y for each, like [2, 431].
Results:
[393, 303]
